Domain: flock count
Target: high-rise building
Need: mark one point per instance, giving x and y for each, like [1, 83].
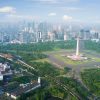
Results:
[20, 37]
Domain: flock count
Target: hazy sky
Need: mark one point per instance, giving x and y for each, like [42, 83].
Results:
[50, 10]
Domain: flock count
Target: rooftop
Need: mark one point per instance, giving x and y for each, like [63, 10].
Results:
[24, 88]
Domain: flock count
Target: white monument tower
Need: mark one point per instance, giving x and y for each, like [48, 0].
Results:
[77, 47]
[77, 56]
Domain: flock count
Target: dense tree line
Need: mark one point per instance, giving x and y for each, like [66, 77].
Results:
[45, 69]
[47, 46]
[91, 77]
[31, 56]
[90, 45]
[75, 86]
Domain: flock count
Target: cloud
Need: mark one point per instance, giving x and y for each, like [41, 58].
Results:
[44, 1]
[57, 0]
[71, 9]
[54, 1]
[21, 17]
[52, 14]
[7, 9]
[67, 18]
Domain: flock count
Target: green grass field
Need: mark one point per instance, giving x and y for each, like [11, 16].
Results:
[69, 61]
[66, 60]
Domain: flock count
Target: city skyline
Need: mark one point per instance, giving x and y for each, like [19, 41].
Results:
[65, 11]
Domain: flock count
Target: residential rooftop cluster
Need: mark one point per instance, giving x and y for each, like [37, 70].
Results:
[23, 88]
[13, 88]
[5, 70]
